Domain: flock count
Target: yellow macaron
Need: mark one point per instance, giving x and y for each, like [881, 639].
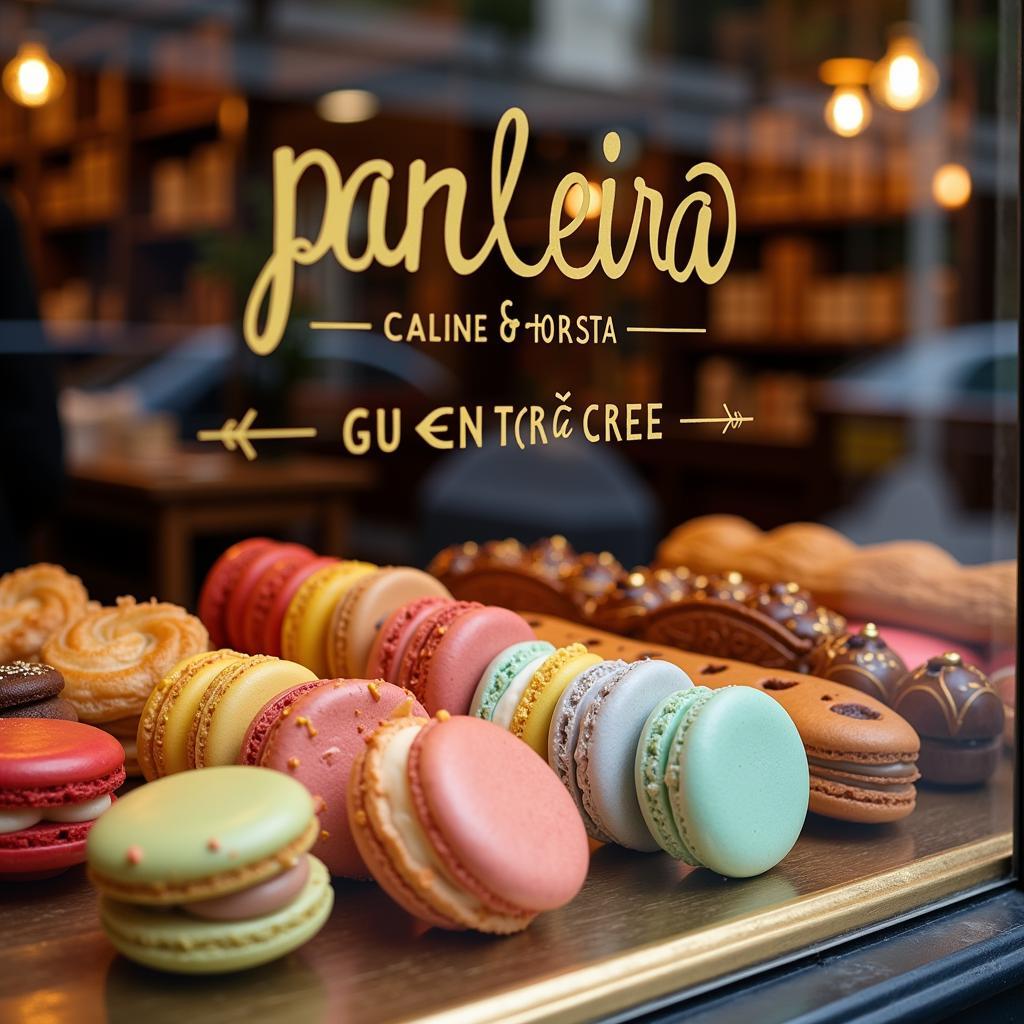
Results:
[232, 701]
[531, 719]
[167, 716]
[305, 629]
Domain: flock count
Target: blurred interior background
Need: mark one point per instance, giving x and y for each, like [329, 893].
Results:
[868, 321]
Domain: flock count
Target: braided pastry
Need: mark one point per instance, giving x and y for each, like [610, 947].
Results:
[111, 658]
[905, 583]
[35, 602]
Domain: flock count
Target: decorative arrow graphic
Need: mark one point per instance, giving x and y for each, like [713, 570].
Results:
[239, 434]
[732, 420]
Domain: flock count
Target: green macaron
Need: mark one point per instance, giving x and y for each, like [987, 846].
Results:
[722, 780]
[208, 871]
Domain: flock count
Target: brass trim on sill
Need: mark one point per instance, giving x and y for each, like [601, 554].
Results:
[657, 970]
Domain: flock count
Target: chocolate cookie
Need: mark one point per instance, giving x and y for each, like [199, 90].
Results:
[959, 716]
[32, 690]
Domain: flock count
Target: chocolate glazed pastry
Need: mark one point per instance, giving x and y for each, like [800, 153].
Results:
[864, 661]
[959, 716]
[507, 574]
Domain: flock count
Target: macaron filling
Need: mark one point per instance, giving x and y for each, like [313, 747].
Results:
[14, 819]
[258, 900]
[503, 671]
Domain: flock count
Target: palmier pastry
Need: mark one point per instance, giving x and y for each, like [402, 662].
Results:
[111, 658]
[35, 602]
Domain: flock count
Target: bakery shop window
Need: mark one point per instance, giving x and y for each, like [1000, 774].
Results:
[637, 377]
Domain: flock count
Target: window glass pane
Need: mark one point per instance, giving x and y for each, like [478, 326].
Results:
[710, 309]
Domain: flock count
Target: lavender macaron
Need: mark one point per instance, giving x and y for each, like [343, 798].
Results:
[605, 749]
[564, 732]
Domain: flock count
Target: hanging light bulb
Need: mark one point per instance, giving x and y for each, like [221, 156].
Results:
[574, 201]
[32, 77]
[848, 110]
[951, 186]
[904, 78]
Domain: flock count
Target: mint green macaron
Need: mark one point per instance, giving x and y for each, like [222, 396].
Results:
[722, 779]
[504, 670]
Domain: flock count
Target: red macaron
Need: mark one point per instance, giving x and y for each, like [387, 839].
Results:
[314, 732]
[270, 642]
[56, 777]
[237, 610]
[450, 649]
[220, 582]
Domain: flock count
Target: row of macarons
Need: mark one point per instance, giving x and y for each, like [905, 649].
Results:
[342, 606]
[263, 596]
[211, 871]
[716, 778]
[635, 745]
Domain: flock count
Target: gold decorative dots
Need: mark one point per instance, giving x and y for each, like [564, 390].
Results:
[404, 710]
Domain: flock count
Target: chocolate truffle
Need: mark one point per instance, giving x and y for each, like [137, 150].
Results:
[793, 607]
[959, 717]
[864, 661]
[675, 584]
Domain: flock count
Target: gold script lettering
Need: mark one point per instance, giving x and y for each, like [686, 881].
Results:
[269, 303]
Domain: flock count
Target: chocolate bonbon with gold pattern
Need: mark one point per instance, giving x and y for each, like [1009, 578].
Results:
[959, 716]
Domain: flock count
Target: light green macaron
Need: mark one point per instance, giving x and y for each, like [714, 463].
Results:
[208, 871]
[722, 779]
[173, 940]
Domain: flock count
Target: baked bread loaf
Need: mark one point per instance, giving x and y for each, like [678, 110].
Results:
[906, 583]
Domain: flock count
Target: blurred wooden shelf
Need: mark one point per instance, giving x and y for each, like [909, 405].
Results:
[175, 120]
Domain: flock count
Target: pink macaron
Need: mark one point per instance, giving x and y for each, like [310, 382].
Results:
[394, 636]
[464, 794]
[451, 648]
[314, 732]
